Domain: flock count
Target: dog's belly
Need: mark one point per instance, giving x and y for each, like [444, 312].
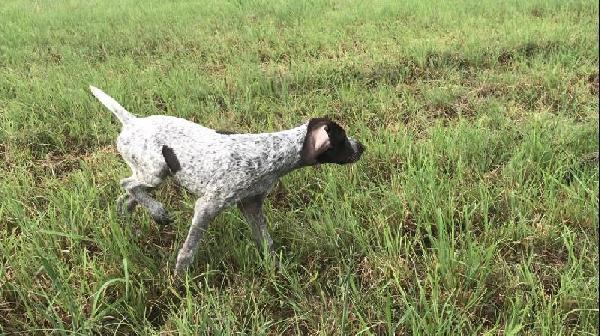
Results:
[228, 186]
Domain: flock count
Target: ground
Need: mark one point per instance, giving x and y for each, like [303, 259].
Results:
[474, 210]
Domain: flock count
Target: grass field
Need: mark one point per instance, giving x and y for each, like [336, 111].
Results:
[474, 211]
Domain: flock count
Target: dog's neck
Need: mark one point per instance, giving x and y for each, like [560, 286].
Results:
[287, 147]
[277, 153]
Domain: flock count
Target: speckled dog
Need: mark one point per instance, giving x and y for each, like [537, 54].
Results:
[222, 169]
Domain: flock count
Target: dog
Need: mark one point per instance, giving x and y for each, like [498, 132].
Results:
[221, 168]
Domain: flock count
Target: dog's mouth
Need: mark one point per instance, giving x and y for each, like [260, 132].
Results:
[345, 152]
[357, 150]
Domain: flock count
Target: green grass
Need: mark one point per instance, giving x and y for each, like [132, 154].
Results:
[474, 211]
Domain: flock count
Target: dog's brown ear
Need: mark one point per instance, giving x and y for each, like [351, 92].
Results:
[316, 141]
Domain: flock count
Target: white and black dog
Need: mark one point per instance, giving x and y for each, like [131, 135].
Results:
[220, 168]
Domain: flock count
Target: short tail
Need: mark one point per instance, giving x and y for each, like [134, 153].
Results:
[119, 111]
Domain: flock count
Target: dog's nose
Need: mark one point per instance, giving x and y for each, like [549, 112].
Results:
[357, 150]
[361, 148]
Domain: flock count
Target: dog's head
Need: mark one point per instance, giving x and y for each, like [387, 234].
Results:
[326, 142]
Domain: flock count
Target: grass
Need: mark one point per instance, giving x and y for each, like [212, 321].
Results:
[474, 211]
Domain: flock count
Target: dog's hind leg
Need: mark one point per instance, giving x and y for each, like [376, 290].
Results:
[137, 193]
[125, 204]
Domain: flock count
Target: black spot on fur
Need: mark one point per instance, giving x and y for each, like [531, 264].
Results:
[224, 132]
[236, 156]
[171, 159]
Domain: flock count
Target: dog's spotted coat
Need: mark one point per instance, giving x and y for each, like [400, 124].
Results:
[221, 168]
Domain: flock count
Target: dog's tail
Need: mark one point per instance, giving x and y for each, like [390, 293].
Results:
[119, 111]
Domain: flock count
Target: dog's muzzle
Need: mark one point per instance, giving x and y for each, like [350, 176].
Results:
[358, 149]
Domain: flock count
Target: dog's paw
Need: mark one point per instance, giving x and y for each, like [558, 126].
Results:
[163, 219]
[120, 205]
[125, 204]
[184, 260]
[161, 216]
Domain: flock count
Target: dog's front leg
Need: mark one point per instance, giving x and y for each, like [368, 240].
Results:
[251, 208]
[204, 211]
